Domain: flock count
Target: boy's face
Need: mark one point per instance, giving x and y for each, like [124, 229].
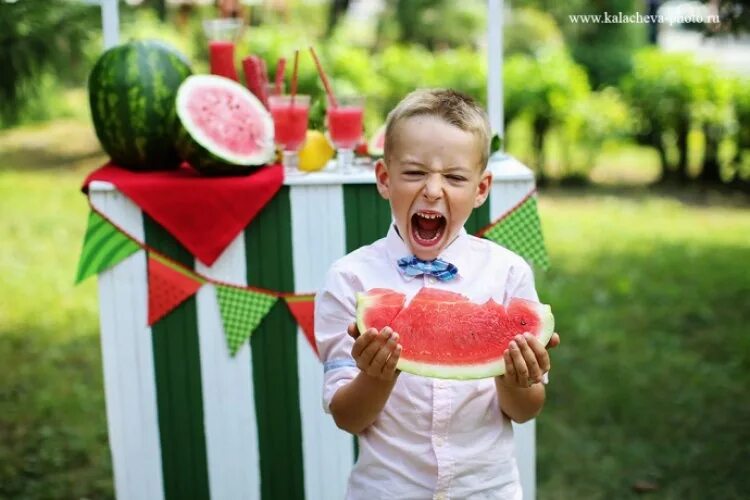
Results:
[433, 179]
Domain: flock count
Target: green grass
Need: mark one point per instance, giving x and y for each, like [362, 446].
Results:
[652, 302]
[650, 292]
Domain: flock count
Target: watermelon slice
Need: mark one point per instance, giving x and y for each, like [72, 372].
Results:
[445, 335]
[225, 128]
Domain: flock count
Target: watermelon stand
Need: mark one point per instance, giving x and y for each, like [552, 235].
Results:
[188, 420]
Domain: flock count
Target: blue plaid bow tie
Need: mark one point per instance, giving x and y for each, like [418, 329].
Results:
[442, 270]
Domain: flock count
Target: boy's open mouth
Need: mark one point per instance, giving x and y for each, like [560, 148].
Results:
[427, 227]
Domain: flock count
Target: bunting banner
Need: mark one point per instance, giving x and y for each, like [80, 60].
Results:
[302, 308]
[168, 287]
[103, 246]
[242, 310]
[520, 231]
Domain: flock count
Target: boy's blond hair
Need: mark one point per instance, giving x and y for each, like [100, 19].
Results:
[451, 106]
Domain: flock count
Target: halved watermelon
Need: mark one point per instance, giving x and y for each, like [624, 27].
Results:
[225, 128]
[445, 335]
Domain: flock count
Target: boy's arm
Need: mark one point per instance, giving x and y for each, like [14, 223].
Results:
[356, 405]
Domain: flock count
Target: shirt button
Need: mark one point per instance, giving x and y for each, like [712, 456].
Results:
[439, 496]
[431, 279]
[439, 441]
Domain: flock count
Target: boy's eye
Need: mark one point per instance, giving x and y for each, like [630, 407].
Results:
[413, 173]
[456, 178]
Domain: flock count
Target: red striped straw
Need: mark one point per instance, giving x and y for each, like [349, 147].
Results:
[280, 67]
[324, 78]
[294, 77]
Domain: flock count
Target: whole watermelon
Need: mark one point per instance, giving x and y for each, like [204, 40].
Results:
[132, 90]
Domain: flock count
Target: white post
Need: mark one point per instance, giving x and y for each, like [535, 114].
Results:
[495, 65]
[110, 23]
[524, 435]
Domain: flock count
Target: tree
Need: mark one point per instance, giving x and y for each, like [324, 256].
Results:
[544, 89]
[39, 36]
[716, 114]
[336, 9]
[605, 49]
[734, 17]
[662, 90]
[160, 6]
[434, 24]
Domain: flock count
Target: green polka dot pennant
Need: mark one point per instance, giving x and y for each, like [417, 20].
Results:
[242, 311]
[520, 231]
[103, 247]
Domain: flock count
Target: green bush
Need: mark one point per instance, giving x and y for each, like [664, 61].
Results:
[434, 24]
[741, 95]
[599, 117]
[42, 53]
[604, 49]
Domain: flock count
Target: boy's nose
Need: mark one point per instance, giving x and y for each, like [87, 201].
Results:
[433, 187]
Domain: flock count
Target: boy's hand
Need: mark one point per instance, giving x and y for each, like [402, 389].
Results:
[376, 353]
[527, 360]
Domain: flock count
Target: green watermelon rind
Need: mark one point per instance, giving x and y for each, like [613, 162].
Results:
[466, 371]
[364, 301]
[199, 151]
[132, 89]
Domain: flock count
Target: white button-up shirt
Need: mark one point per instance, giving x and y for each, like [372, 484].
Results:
[434, 438]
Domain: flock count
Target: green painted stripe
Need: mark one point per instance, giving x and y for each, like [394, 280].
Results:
[178, 385]
[366, 215]
[479, 218]
[268, 243]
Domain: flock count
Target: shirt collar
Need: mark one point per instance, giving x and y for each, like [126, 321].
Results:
[455, 253]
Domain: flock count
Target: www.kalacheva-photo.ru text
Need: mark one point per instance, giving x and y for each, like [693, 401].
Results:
[638, 18]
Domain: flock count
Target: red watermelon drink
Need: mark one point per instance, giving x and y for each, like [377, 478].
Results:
[345, 128]
[221, 55]
[290, 117]
[222, 34]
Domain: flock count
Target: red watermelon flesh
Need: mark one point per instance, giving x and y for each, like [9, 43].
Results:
[224, 128]
[445, 335]
[379, 307]
[225, 119]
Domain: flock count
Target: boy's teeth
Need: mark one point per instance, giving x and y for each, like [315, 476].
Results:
[429, 216]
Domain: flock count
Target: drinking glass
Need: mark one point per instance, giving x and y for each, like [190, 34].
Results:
[345, 128]
[222, 35]
[290, 114]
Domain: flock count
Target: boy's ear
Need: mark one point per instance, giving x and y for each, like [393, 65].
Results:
[382, 178]
[483, 189]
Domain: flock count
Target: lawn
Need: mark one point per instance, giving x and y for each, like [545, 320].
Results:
[651, 292]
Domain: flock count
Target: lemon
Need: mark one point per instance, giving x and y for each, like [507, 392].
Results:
[316, 152]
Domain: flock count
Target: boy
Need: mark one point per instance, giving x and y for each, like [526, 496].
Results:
[420, 437]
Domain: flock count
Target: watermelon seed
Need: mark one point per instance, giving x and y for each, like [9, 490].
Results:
[523, 322]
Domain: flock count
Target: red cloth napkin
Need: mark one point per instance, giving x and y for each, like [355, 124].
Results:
[203, 213]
